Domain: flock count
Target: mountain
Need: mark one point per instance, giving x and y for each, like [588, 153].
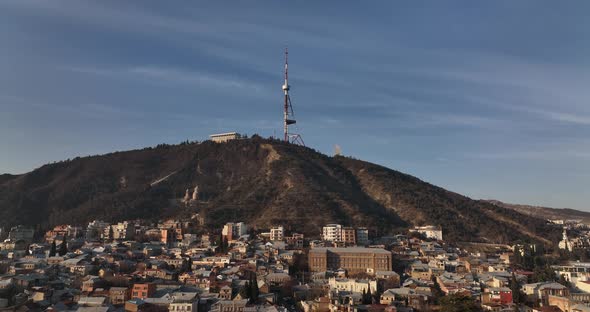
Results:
[6, 177]
[547, 212]
[262, 182]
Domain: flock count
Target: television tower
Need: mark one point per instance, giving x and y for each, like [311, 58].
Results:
[288, 113]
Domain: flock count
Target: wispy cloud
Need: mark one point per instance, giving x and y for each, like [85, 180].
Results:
[167, 75]
[577, 119]
[560, 151]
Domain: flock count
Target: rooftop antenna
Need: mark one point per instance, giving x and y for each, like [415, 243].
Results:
[288, 113]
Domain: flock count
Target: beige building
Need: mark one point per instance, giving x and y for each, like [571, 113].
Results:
[277, 233]
[118, 295]
[348, 235]
[224, 137]
[183, 306]
[237, 305]
[353, 260]
[123, 230]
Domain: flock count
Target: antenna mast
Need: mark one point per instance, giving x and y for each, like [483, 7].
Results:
[288, 113]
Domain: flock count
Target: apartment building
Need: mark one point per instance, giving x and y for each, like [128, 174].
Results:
[277, 233]
[332, 233]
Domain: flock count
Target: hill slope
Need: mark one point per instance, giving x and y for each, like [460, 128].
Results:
[547, 212]
[259, 181]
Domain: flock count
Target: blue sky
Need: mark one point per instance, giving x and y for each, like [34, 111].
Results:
[488, 99]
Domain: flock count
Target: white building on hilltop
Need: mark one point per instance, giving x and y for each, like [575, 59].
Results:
[224, 137]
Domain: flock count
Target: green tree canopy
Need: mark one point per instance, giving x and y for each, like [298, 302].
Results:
[458, 303]
[53, 249]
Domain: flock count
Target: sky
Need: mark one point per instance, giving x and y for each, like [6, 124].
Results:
[485, 98]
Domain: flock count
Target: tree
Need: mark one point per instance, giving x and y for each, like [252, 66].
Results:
[544, 274]
[367, 297]
[436, 290]
[515, 287]
[63, 248]
[224, 245]
[245, 291]
[111, 233]
[563, 281]
[254, 291]
[53, 249]
[517, 256]
[458, 303]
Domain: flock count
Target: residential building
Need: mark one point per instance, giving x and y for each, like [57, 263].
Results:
[295, 240]
[362, 236]
[184, 306]
[277, 233]
[143, 290]
[58, 231]
[332, 233]
[237, 305]
[118, 295]
[574, 271]
[123, 230]
[96, 230]
[233, 231]
[430, 231]
[167, 236]
[497, 295]
[348, 235]
[353, 285]
[539, 292]
[21, 233]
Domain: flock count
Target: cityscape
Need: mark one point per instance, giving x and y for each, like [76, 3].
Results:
[176, 265]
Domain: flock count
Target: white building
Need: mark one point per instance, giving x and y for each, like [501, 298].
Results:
[430, 231]
[224, 137]
[277, 233]
[573, 272]
[332, 233]
[348, 284]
